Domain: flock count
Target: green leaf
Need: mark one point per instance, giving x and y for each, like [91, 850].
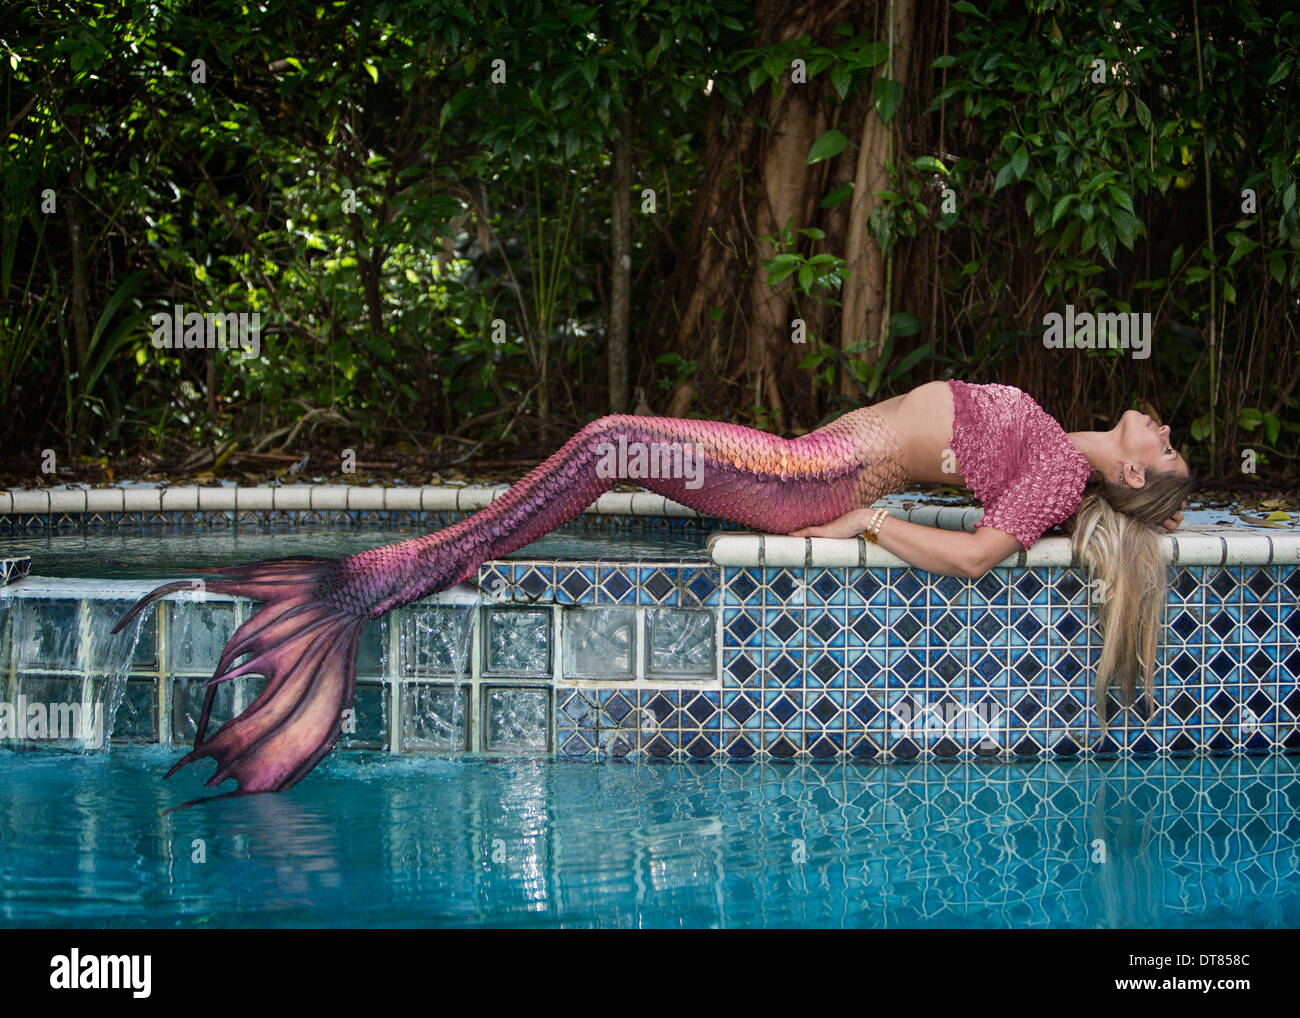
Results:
[1062, 203]
[874, 55]
[1127, 228]
[840, 194]
[911, 360]
[829, 145]
[889, 96]
[1143, 114]
[929, 164]
[1020, 162]
[373, 71]
[841, 78]
[903, 324]
[1106, 241]
[1120, 197]
[947, 60]
[1272, 428]
[1250, 418]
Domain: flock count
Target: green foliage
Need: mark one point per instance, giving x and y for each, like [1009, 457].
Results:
[1093, 122]
[386, 183]
[359, 176]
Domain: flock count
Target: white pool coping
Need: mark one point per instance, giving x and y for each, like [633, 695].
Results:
[311, 497]
[1196, 543]
[1206, 546]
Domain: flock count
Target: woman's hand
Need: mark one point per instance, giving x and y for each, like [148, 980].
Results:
[1174, 521]
[851, 524]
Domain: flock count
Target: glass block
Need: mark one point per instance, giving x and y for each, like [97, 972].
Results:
[516, 719]
[371, 656]
[45, 632]
[105, 647]
[600, 643]
[367, 727]
[187, 707]
[435, 640]
[198, 633]
[136, 720]
[435, 717]
[681, 642]
[517, 641]
[54, 710]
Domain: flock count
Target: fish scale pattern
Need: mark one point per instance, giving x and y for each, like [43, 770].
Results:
[737, 473]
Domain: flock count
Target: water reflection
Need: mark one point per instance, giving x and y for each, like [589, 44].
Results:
[426, 842]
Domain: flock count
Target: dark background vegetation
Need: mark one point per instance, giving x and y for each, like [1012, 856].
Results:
[773, 200]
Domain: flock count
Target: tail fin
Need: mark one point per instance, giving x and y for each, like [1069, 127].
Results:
[306, 648]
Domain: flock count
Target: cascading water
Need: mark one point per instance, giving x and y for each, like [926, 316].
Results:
[64, 674]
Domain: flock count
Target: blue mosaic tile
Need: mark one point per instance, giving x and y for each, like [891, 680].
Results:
[15, 568]
[741, 585]
[656, 586]
[701, 587]
[866, 587]
[997, 666]
[738, 668]
[826, 586]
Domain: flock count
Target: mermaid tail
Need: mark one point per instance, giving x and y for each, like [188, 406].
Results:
[305, 646]
[304, 637]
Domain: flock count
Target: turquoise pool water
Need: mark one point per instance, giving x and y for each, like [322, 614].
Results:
[435, 842]
[157, 552]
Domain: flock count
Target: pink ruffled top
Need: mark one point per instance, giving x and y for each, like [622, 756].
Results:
[1016, 459]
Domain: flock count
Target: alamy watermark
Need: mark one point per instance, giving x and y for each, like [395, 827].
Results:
[178, 329]
[633, 461]
[984, 722]
[1086, 331]
[38, 721]
[77, 971]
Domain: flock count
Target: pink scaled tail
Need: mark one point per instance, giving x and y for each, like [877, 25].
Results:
[304, 637]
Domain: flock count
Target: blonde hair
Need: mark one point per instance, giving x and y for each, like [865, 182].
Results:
[1116, 535]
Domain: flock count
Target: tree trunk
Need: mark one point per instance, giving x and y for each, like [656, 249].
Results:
[80, 302]
[620, 215]
[756, 182]
[866, 301]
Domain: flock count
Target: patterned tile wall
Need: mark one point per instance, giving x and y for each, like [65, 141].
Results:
[686, 660]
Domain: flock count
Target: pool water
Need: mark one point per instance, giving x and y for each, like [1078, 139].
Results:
[160, 552]
[437, 842]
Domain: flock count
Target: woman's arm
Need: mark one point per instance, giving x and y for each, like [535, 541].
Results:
[951, 552]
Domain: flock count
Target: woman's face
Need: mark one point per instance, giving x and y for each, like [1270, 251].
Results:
[1148, 445]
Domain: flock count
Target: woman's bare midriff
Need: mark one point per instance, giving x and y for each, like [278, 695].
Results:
[922, 419]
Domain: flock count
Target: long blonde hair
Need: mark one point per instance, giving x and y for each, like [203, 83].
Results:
[1116, 534]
